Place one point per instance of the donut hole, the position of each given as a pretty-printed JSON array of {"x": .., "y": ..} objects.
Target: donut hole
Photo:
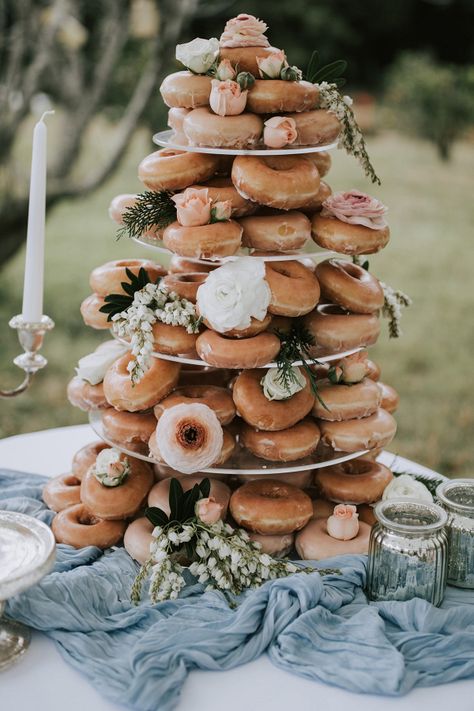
[
  {"x": 331, "y": 310},
  {"x": 191, "y": 435},
  {"x": 170, "y": 152},
  {"x": 353, "y": 271},
  {"x": 72, "y": 480},
  {"x": 356, "y": 467},
  {"x": 87, "y": 519}
]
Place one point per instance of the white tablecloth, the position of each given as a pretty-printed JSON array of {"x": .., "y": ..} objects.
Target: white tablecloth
[{"x": 43, "y": 682}]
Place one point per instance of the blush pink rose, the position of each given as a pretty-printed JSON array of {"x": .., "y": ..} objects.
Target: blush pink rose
[
  {"x": 344, "y": 522},
  {"x": 354, "y": 367},
  {"x": 356, "y": 208},
  {"x": 225, "y": 70},
  {"x": 221, "y": 210},
  {"x": 193, "y": 207},
  {"x": 208, "y": 510},
  {"x": 270, "y": 67},
  {"x": 279, "y": 131},
  {"x": 244, "y": 31},
  {"x": 227, "y": 98}
]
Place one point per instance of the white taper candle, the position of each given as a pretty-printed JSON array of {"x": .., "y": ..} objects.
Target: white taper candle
[{"x": 34, "y": 263}]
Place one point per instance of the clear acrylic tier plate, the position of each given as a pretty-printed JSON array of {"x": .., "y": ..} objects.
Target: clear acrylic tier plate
[
  {"x": 241, "y": 463},
  {"x": 165, "y": 140}
]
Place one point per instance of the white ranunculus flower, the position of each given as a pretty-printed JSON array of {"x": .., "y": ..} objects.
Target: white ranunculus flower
[
  {"x": 93, "y": 367},
  {"x": 198, "y": 55},
  {"x": 406, "y": 487},
  {"x": 233, "y": 294},
  {"x": 274, "y": 387}
]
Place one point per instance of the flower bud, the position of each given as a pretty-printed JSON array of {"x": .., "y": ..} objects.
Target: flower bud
[
  {"x": 245, "y": 80},
  {"x": 291, "y": 74}
]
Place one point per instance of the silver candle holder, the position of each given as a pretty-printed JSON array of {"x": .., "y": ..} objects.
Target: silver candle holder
[{"x": 30, "y": 335}]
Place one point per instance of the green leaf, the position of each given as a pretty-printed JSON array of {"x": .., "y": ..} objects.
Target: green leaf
[
  {"x": 189, "y": 502},
  {"x": 175, "y": 499},
  {"x": 312, "y": 64},
  {"x": 117, "y": 303},
  {"x": 156, "y": 516},
  {"x": 365, "y": 265},
  {"x": 205, "y": 488}
]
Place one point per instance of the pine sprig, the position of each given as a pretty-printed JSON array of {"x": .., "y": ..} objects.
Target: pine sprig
[
  {"x": 296, "y": 345},
  {"x": 151, "y": 210},
  {"x": 117, "y": 303}
]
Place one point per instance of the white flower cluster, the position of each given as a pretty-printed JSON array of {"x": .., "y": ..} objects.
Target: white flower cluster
[
  {"x": 151, "y": 304},
  {"x": 394, "y": 300},
  {"x": 351, "y": 138}
]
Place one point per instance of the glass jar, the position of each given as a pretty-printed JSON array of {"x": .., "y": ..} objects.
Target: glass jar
[
  {"x": 457, "y": 498},
  {"x": 408, "y": 551}
]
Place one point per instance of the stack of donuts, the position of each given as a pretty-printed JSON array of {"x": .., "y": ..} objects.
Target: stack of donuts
[{"x": 239, "y": 254}]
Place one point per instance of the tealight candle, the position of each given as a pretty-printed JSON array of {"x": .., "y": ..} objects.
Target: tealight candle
[{"x": 34, "y": 264}]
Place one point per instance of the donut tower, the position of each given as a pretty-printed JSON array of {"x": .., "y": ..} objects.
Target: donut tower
[{"x": 244, "y": 359}]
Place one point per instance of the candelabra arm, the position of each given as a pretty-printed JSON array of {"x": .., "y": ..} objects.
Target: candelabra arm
[{"x": 30, "y": 335}]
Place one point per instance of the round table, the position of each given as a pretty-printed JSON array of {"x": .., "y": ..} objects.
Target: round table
[{"x": 43, "y": 681}]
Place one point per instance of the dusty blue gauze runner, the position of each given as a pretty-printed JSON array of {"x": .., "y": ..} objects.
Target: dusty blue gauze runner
[{"x": 317, "y": 628}]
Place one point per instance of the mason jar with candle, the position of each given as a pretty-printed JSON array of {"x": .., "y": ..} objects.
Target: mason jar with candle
[
  {"x": 408, "y": 551},
  {"x": 457, "y": 499}
]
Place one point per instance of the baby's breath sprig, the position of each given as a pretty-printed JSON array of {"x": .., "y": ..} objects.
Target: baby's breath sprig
[
  {"x": 351, "y": 138},
  {"x": 219, "y": 556},
  {"x": 151, "y": 210}
]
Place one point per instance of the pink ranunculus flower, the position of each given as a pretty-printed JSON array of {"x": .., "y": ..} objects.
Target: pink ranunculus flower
[
  {"x": 225, "y": 71},
  {"x": 354, "y": 367},
  {"x": 193, "y": 207},
  {"x": 271, "y": 66},
  {"x": 244, "y": 31},
  {"x": 227, "y": 98},
  {"x": 221, "y": 210},
  {"x": 208, "y": 510},
  {"x": 279, "y": 131},
  {"x": 356, "y": 208},
  {"x": 344, "y": 522}
]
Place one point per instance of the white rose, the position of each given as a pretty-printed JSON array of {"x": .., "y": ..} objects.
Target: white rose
[
  {"x": 406, "y": 487},
  {"x": 93, "y": 367},
  {"x": 111, "y": 467},
  {"x": 274, "y": 387},
  {"x": 198, "y": 55},
  {"x": 233, "y": 294}
]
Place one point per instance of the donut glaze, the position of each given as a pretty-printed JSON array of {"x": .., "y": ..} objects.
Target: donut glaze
[
  {"x": 346, "y": 402},
  {"x": 349, "y": 286},
  {"x": 390, "y": 397},
  {"x": 159, "y": 494},
  {"x": 222, "y": 189},
  {"x": 91, "y": 314},
  {"x": 278, "y": 545},
  {"x": 62, "y": 491},
  {"x": 169, "y": 169},
  {"x": 108, "y": 278},
  {"x": 204, "y": 128},
  {"x": 77, "y": 527},
  {"x": 217, "y": 398},
  {"x": 371, "y": 432},
  {"x": 322, "y": 160},
  {"x": 185, "y": 285},
  {"x": 238, "y": 353},
  {"x": 245, "y": 58},
  {"x": 218, "y": 239},
  {"x": 128, "y": 428},
  {"x": 269, "y": 415},
  {"x": 269, "y": 507},
  {"x": 314, "y": 128},
  {"x": 335, "y": 330},
  {"x": 186, "y": 90},
  {"x": 281, "y": 232},
  {"x": 173, "y": 340},
  {"x": 338, "y": 236},
  {"x": 358, "y": 481},
  {"x": 180, "y": 265},
  {"x": 295, "y": 290},
  {"x": 278, "y": 95},
  {"x": 112, "y": 503},
  {"x": 287, "y": 445},
  {"x": 138, "y": 538},
  {"x": 315, "y": 543},
  {"x": 85, "y": 396},
  {"x": 157, "y": 382}
]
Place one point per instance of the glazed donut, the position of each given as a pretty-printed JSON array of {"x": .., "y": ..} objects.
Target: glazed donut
[
  {"x": 255, "y": 327},
  {"x": 269, "y": 507},
  {"x": 78, "y": 528},
  {"x": 186, "y": 90},
  {"x": 349, "y": 286},
  {"x": 119, "y": 204},
  {"x": 85, "y": 458},
  {"x": 62, "y": 491},
  {"x": 157, "y": 382},
  {"x": 185, "y": 285},
  {"x": 217, "y": 239},
  {"x": 269, "y": 415},
  {"x": 335, "y": 330},
  {"x": 202, "y": 127},
  {"x": 108, "y": 278},
  {"x": 346, "y": 402},
  {"x": 322, "y": 508},
  {"x": 169, "y": 169},
  {"x": 204, "y": 375},
  {"x": 91, "y": 314},
  {"x": 316, "y": 127},
  {"x": 128, "y": 428},
  {"x": 179, "y": 265},
  {"x": 222, "y": 352},
  {"x": 112, "y": 503},
  {"x": 373, "y": 370},
  {"x": 390, "y": 397},
  {"x": 322, "y": 160},
  {"x": 315, "y": 543},
  {"x": 245, "y": 58},
  {"x": 339, "y": 236},
  {"x": 218, "y": 399},
  {"x": 222, "y": 189},
  {"x": 315, "y": 203},
  {"x": 85, "y": 396},
  {"x": 281, "y": 232},
  {"x": 295, "y": 289},
  {"x": 371, "y": 432},
  {"x": 366, "y": 514},
  {"x": 173, "y": 340},
  {"x": 138, "y": 538},
  {"x": 278, "y": 546},
  {"x": 286, "y": 445},
  {"x": 355, "y": 482},
  {"x": 175, "y": 122},
  {"x": 285, "y": 182},
  {"x": 159, "y": 494},
  {"x": 272, "y": 97}
]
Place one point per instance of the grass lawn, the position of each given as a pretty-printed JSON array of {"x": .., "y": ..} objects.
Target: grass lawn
[{"x": 430, "y": 257}]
